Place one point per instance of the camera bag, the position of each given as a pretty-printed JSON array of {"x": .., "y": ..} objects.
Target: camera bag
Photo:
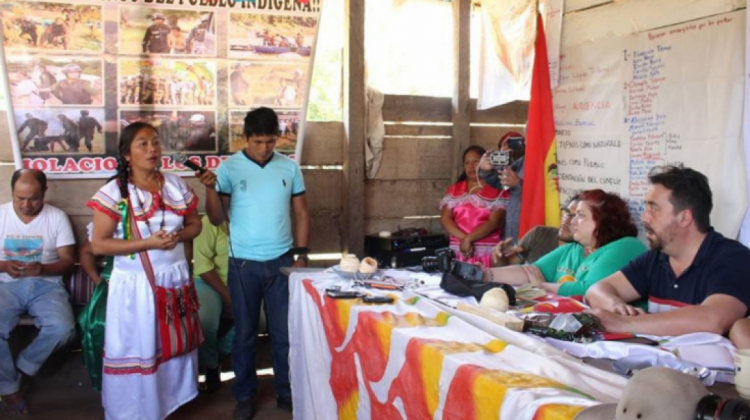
[{"x": 461, "y": 287}]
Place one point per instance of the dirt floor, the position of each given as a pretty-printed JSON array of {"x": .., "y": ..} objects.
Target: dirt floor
[{"x": 61, "y": 391}]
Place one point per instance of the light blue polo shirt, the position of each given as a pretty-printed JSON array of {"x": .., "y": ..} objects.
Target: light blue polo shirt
[{"x": 260, "y": 205}]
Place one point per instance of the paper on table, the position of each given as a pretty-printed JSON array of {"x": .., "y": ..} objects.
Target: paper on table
[{"x": 708, "y": 355}]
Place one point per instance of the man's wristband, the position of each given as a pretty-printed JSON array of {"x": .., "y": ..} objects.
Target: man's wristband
[{"x": 300, "y": 250}]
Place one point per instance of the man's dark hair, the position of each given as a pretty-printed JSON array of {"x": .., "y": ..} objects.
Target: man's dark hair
[
  {"x": 261, "y": 122},
  {"x": 689, "y": 191},
  {"x": 39, "y": 176}
]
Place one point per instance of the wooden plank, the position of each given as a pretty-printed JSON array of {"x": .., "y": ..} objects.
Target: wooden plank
[
  {"x": 628, "y": 17},
  {"x": 420, "y": 158},
  {"x": 373, "y": 226},
  {"x": 71, "y": 196},
  {"x": 461, "y": 103},
  {"x": 355, "y": 102},
  {"x": 513, "y": 113},
  {"x": 324, "y": 190},
  {"x": 402, "y": 198},
  {"x": 324, "y": 143},
  {"x": 416, "y": 108},
  {"x": 488, "y": 137},
  {"x": 575, "y": 5},
  {"x": 326, "y": 231},
  {"x": 418, "y": 130},
  {"x": 6, "y": 171},
  {"x": 6, "y": 151}
]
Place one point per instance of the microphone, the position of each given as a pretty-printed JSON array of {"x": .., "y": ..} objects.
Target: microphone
[{"x": 182, "y": 159}]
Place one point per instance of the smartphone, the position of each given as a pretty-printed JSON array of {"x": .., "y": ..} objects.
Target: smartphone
[
  {"x": 377, "y": 299},
  {"x": 467, "y": 271},
  {"x": 346, "y": 294}
]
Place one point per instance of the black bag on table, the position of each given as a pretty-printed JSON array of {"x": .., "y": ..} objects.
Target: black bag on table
[{"x": 458, "y": 286}]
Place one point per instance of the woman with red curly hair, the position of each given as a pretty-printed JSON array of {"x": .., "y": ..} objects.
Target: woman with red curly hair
[{"x": 605, "y": 241}]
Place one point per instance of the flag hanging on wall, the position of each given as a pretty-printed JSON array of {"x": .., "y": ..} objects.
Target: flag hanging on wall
[{"x": 541, "y": 194}]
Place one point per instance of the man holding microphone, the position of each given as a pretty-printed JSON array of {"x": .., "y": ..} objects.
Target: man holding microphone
[{"x": 259, "y": 187}]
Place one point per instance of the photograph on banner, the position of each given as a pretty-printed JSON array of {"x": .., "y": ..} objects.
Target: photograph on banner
[
  {"x": 193, "y": 131},
  {"x": 289, "y": 125},
  {"x": 275, "y": 85},
  {"x": 167, "y": 82},
  {"x": 47, "y": 26},
  {"x": 60, "y": 131},
  {"x": 272, "y": 37},
  {"x": 55, "y": 80},
  {"x": 145, "y": 30}
]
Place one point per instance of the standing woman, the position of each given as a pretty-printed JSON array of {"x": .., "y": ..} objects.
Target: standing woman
[
  {"x": 473, "y": 213},
  {"x": 152, "y": 329}
]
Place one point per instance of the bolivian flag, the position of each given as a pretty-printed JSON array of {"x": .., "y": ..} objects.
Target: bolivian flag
[{"x": 541, "y": 194}]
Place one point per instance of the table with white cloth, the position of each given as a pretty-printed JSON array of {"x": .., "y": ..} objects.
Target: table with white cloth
[{"x": 419, "y": 359}]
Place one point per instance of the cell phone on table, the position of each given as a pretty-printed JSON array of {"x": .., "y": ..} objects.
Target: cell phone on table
[
  {"x": 343, "y": 294},
  {"x": 377, "y": 299}
]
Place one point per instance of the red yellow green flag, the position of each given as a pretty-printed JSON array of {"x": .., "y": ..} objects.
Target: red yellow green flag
[{"x": 541, "y": 195}]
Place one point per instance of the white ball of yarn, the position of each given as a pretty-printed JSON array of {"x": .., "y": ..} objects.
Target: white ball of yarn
[
  {"x": 349, "y": 263},
  {"x": 495, "y": 299},
  {"x": 368, "y": 265}
]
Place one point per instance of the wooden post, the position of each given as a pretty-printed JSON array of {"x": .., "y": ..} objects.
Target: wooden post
[
  {"x": 354, "y": 127},
  {"x": 461, "y": 61}
]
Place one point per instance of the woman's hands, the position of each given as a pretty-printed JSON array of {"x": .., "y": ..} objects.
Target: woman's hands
[{"x": 162, "y": 240}]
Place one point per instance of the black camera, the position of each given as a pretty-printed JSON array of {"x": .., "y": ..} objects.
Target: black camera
[
  {"x": 445, "y": 261},
  {"x": 713, "y": 407}
]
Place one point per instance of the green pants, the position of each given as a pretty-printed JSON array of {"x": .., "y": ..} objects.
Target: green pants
[{"x": 210, "y": 311}]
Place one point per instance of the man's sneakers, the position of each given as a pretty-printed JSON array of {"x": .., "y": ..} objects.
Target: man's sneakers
[
  {"x": 284, "y": 403},
  {"x": 244, "y": 410}
]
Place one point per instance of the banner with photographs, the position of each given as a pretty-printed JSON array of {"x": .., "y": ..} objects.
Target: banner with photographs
[{"x": 80, "y": 70}]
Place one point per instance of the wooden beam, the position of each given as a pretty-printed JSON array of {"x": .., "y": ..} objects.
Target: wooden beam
[
  {"x": 460, "y": 114},
  {"x": 416, "y": 108},
  {"x": 354, "y": 127},
  {"x": 415, "y": 158}
]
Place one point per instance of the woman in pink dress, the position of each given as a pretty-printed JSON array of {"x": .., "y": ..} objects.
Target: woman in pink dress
[{"x": 473, "y": 213}]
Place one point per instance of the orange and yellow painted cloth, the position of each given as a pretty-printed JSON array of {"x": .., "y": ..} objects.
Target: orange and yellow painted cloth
[{"x": 415, "y": 359}]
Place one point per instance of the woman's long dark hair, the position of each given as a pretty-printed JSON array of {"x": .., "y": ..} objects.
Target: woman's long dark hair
[
  {"x": 127, "y": 135},
  {"x": 477, "y": 149}
]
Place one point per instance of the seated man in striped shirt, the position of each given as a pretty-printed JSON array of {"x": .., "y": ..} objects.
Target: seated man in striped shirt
[{"x": 694, "y": 278}]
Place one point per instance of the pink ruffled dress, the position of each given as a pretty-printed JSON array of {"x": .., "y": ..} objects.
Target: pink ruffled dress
[{"x": 471, "y": 211}]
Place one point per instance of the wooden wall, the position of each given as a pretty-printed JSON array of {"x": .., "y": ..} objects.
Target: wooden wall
[{"x": 416, "y": 168}]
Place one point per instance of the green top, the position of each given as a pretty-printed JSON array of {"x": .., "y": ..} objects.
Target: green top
[
  {"x": 211, "y": 250},
  {"x": 569, "y": 265}
]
